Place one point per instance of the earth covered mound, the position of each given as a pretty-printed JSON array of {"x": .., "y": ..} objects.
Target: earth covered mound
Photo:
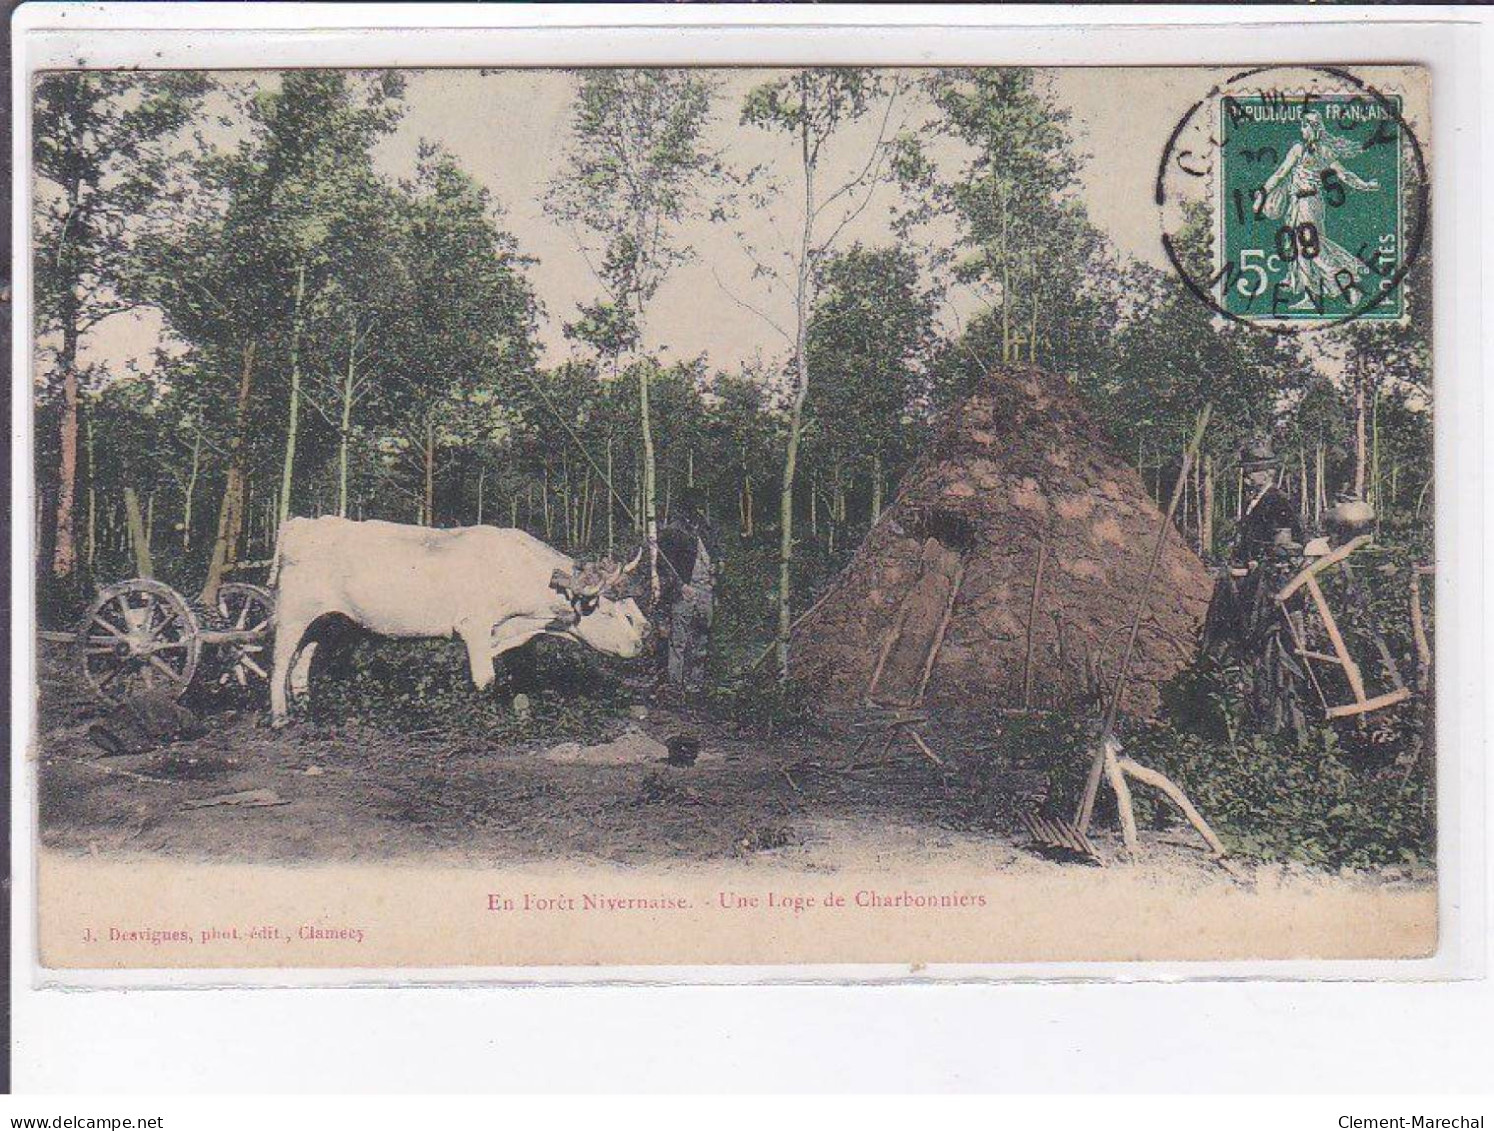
[{"x": 1006, "y": 572}]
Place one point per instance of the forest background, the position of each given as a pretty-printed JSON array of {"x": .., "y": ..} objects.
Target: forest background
[{"x": 749, "y": 293}]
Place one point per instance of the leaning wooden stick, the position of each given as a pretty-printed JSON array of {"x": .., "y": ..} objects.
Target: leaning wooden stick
[
  {"x": 1097, "y": 767},
  {"x": 938, "y": 642},
  {"x": 1117, "y": 778},
  {"x": 1037, "y": 594}
]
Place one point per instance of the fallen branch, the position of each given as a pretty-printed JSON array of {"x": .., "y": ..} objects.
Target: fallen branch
[
  {"x": 1164, "y": 784},
  {"x": 923, "y": 746}
]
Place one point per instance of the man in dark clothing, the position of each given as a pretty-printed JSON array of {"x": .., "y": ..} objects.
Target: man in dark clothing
[
  {"x": 1242, "y": 617},
  {"x": 1270, "y": 524},
  {"x": 1267, "y": 543},
  {"x": 686, "y": 599}
]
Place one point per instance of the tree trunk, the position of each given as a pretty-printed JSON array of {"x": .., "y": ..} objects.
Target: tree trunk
[
  {"x": 64, "y": 551},
  {"x": 1006, "y": 285},
  {"x": 802, "y": 302},
  {"x": 482, "y": 477},
  {"x": 876, "y": 498},
  {"x": 1207, "y": 534},
  {"x": 1198, "y": 517},
  {"x": 1320, "y": 498},
  {"x": 611, "y": 533},
  {"x": 1360, "y": 462},
  {"x": 150, "y": 520},
  {"x": 429, "y": 502},
  {"x": 139, "y": 540},
  {"x": 649, "y": 510},
  {"x": 1304, "y": 504},
  {"x": 1032, "y": 326},
  {"x": 1373, "y": 497},
  {"x": 292, "y": 427},
  {"x": 1182, "y": 484},
  {"x": 345, "y": 425},
  {"x": 93, "y": 494},
  {"x": 231, "y": 513},
  {"x": 545, "y": 502},
  {"x": 191, "y": 491}
]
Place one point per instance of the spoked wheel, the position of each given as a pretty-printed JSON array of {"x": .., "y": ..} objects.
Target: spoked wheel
[
  {"x": 139, "y": 636},
  {"x": 246, "y": 608}
]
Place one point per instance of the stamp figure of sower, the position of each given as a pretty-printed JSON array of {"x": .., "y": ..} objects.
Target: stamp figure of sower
[{"x": 1311, "y": 173}]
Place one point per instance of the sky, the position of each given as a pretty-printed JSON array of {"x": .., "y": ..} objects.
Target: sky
[{"x": 510, "y": 130}]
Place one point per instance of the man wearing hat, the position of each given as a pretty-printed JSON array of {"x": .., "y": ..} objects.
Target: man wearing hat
[
  {"x": 1268, "y": 545},
  {"x": 1270, "y": 527},
  {"x": 686, "y": 599}
]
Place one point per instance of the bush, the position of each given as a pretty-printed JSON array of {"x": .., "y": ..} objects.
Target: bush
[
  {"x": 1267, "y": 797},
  {"x": 1270, "y": 798},
  {"x": 406, "y": 686}
]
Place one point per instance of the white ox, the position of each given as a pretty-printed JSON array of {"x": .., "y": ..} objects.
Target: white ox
[{"x": 493, "y": 588}]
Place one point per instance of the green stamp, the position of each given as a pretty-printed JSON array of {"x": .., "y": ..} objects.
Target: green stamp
[{"x": 1309, "y": 207}]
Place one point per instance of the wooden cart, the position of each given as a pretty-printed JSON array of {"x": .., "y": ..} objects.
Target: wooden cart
[{"x": 142, "y": 636}]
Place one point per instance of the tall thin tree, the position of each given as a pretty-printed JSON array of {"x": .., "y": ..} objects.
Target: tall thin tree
[{"x": 635, "y": 167}]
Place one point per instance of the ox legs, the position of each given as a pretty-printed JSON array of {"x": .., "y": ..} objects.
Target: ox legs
[
  {"x": 289, "y": 632},
  {"x": 300, "y": 673},
  {"x": 480, "y": 655}
]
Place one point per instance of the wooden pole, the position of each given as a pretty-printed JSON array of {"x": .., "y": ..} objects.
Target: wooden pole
[
  {"x": 1032, "y": 611},
  {"x": 928, "y": 665},
  {"x": 1419, "y": 631},
  {"x": 1162, "y": 783},
  {"x": 1122, "y": 797},
  {"x": 1097, "y": 767},
  {"x": 143, "y": 567}
]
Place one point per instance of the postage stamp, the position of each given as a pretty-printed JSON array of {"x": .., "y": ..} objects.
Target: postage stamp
[{"x": 1310, "y": 205}]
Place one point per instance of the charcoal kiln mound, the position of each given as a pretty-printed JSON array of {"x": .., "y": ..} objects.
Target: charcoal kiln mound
[{"x": 1007, "y": 571}]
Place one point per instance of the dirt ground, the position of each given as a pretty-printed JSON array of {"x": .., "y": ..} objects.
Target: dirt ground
[
  {"x": 352, "y": 792},
  {"x": 349, "y": 792},
  {"x": 366, "y": 818}
]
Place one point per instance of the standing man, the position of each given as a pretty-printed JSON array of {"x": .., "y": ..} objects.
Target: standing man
[
  {"x": 686, "y": 599},
  {"x": 1242, "y": 617},
  {"x": 1270, "y": 524}
]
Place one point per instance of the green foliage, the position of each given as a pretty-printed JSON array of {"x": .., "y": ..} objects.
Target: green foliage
[
  {"x": 871, "y": 330},
  {"x": 415, "y": 338},
  {"x": 633, "y": 174},
  {"x": 426, "y": 685},
  {"x": 106, "y": 170},
  {"x": 1273, "y": 799}
]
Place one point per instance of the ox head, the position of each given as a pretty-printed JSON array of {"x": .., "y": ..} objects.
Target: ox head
[{"x": 603, "y": 615}]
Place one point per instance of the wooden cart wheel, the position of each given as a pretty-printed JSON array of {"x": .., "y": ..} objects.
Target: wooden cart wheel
[
  {"x": 246, "y": 608},
  {"x": 139, "y": 636}
]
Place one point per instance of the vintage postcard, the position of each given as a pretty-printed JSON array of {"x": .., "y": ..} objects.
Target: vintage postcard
[{"x": 604, "y": 517}]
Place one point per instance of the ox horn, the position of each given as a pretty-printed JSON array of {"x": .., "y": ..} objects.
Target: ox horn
[{"x": 617, "y": 573}]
